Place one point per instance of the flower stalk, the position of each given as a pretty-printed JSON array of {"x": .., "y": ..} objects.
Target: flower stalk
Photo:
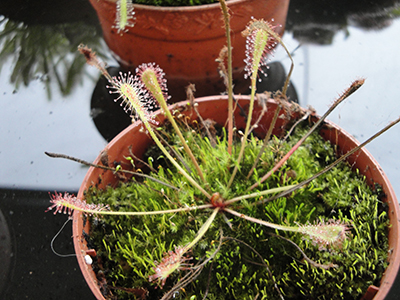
[
  {"x": 355, "y": 86},
  {"x": 226, "y": 18}
]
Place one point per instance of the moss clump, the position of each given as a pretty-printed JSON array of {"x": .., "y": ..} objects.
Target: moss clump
[{"x": 249, "y": 259}]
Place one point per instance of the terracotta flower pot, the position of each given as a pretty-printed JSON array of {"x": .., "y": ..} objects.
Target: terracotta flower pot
[
  {"x": 185, "y": 41},
  {"x": 216, "y": 108}
]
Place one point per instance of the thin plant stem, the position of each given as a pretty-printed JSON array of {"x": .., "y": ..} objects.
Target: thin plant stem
[
  {"x": 178, "y": 156},
  {"x": 262, "y": 102},
  {"x": 287, "y": 81},
  {"x": 188, "y": 278},
  {"x": 203, "y": 229},
  {"x": 244, "y": 139},
  {"x": 172, "y": 160},
  {"x": 202, "y": 264},
  {"x": 141, "y": 213},
  {"x": 190, "y": 89},
  {"x": 83, "y": 162},
  {"x": 261, "y": 222},
  {"x": 266, "y": 139},
  {"x": 262, "y": 263},
  {"x": 155, "y": 89},
  {"x": 261, "y": 42},
  {"x": 226, "y": 19},
  {"x": 140, "y": 160},
  {"x": 355, "y": 86},
  {"x": 303, "y": 118},
  {"x": 194, "y": 272},
  {"x": 309, "y": 260},
  {"x": 261, "y": 193},
  {"x": 184, "y": 144},
  {"x": 326, "y": 169}
]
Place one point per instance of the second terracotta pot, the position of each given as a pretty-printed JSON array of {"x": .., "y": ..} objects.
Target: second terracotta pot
[{"x": 185, "y": 41}]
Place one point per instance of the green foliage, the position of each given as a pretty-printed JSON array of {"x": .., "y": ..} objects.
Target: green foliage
[
  {"x": 45, "y": 53},
  {"x": 129, "y": 246}
]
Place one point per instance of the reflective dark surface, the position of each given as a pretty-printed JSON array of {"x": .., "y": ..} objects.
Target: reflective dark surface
[
  {"x": 46, "y": 94},
  {"x": 29, "y": 269}
]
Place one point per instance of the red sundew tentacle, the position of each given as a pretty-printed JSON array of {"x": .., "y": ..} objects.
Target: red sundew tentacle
[
  {"x": 250, "y": 33},
  {"x": 125, "y": 16},
  {"x": 130, "y": 91},
  {"x": 159, "y": 73},
  {"x": 172, "y": 261},
  {"x": 68, "y": 203},
  {"x": 326, "y": 233}
]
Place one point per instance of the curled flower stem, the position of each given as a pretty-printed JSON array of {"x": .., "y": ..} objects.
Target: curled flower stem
[
  {"x": 54, "y": 238},
  {"x": 309, "y": 260},
  {"x": 279, "y": 40}
]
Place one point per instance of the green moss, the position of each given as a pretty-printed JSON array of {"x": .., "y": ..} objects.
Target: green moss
[{"x": 128, "y": 246}]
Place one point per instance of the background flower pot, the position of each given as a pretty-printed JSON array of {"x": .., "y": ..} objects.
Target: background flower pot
[
  {"x": 185, "y": 41},
  {"x": 216, "y": 108}
]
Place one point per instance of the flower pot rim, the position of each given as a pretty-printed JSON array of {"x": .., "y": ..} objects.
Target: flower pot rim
[
  {"x": 188, "y": 8},
  {"x": 391, "y": 271}
]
